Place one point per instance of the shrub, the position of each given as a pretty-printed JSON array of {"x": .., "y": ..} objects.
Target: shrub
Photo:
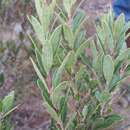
[{"x": 78, "y": 87}]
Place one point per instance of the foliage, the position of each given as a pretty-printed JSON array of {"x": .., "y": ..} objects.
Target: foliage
[
  {"x": 6, "y": 107},
  {"x": 81, "y": 86}
]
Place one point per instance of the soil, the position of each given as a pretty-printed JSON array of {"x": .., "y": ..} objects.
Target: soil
[{"x": 20, "y": 75}]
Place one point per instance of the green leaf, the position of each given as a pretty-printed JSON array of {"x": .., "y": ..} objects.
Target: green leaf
[
  {"x": 39, "y": 8},
  {"x": 127, "y": 70},
  {"x": 82, "y": 47},
  {"x": 80, "y": 39},
  {"x": 44, "y": 92},
  {"x": 71, "y": 62},
  {"x": 58, "y": 93},
  {"x": 122, "y": 35},
  {"x": 94, "y": 49},
  {"x": 39, "y": 60},
  {"x": 8, "y": 102},
  {"x": 100, "y": 39},
  {"x": 98, "y": 95},
  {"x": 122, "y": 56},
  {"x": 68, "y": 5},
  {"x": 85, "y": 59},
  {"x": 98, "y": 123},
  {"x": 78, "y": 19},
  {"x": 55, "y": 39},
  {"x": 47, "y": 56},
  {"x": 108, "y": 68},
  {"x": 106, "y": 122},
  {"x": 45, "y": 13},
  {"x": 70, "y": 121},
  {"x": 57, "y": 77},
  {"x": 94, "y": 53},
  {"x": 109, "y": 44},
  {"x": 99, "y": 64},
  {"x": 63, "y": 109},
  {"x": 48, "y": 12},
  {"x": 109, "y": 120},
  {"x": 38, "y": 29},
  {"x": 117, "y": 67},
  {"x": 62, "y": 16},
  {"x": 85, "y": 111},
  {"x": 68, "y": 35},
  {"x": 39, "y": 74},
  {"x": 1, "y": 79},
  {"x": 102, "y": 97},
  {"x": 114, "y": 82},
  {"x": 119, "y": 24},
  {"x": 52, "y": 112}
]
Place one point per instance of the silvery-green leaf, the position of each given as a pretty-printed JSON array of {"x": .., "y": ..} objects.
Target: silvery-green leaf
[
  {"x": 55, "y": 38},
  {"x": 82, "y": 47},
  {"x": 68, "y": 35},
  {"x": 110, "y": 119},
  {"x": 63, "y": 109},
  {"x": 68, "y": 5},
  {"x": 94, "y": 52},
  {"x": 98, "y": 96},
  {"x": 38, "y": 29},
  {"x": 102, "y": 97},
  {"x": 78, "y": 19},
  {"x": 52, "y": 112},
  {"x": 47, "y": 18},
  {"x": 58, "y": 93},
  {"x": 7, "y": 102},
  {"x": 39, "y": 60},
  {"x": 71, "y": 62},
  {"x": 85, "y": 111},
  {"x": 70, "y": 121},
  {"x": 109, "y": 36},
  {"x": 115, "y": 82},
  {"x": 57, "y": 77},
  {"x": 119, "y": 24},
  {"x": 45, "y": 13},
  {"x": 99, "y": 64},
  {"x": 85, "y": 59},
  {"x": 102, "y": 123},
  {"x": 44, "y": 92},
  {"x": 39, "y": 74},
  {"x": 98, "y": 122},
  {"x": 122, "y": 56},
  {"x": 47, "y": 56},
  {"x": 39, "y": 8},
  {"x": 108, "y": 68},
  {"x": 80, "y": 39}
]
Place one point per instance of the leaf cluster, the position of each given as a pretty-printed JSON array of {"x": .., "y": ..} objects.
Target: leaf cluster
[{"x": 78, "y": 87}]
